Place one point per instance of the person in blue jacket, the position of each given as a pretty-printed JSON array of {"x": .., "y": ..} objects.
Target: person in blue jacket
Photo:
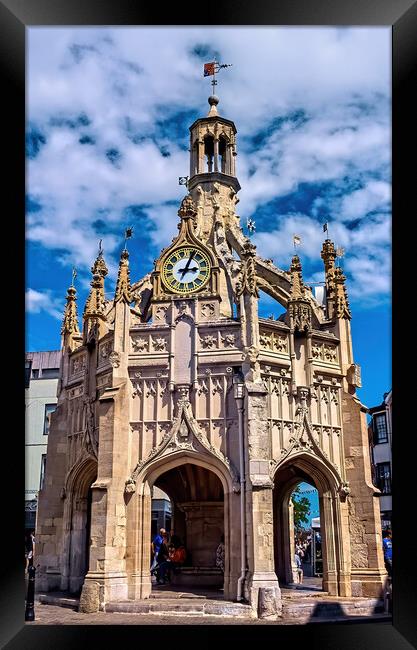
[{"x": 387, "y": 546}]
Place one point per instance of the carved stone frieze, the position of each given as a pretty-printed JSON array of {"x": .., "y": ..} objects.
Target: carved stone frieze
[
  {"x": 207, "y": 310},
  {"x": 229, "y": 340},
  {"x": 159, "y": 343},
  {"x": 78, "y": 364},
  {"x": 140, "y": 344},
  {"x": 104, "y": 380},
  {"x": 104, "y": 350},
  {"x": 75, "y": 392},
  {"x": 160, "y": 313},
  {"x": 114, "y": 358},
  {"x": 324, "y": 351},
  {"x": 274, "y": 342},
  {"x": 208, "y": 341}
]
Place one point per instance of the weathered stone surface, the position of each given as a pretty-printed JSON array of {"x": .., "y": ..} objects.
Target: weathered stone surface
[
  {"x": 90, "y": 597},
  {"x": 269, "y": 605}
]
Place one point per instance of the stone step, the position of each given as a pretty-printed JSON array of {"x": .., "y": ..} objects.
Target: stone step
[
  {"x": 182, "y": 607},
  {"x": 331, "y": 607},
  {"x": 176, "y": 594},
  {"x": 60, "y": 601}
]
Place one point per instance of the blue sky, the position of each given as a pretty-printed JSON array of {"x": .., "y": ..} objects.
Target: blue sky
[{"x": 108, "y": 111}]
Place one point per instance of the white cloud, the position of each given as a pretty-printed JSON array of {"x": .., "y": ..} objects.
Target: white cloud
[
  {"x": 339, "y": 78},
  {"x": 37, "y": 301}
]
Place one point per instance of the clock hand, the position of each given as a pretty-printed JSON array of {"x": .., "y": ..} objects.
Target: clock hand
[
  {"x": 195, "y": 268},
  {"x": 184, "y": 271}
]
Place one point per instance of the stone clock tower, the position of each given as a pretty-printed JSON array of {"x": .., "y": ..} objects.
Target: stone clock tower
[{"x": 178, "y": 383}]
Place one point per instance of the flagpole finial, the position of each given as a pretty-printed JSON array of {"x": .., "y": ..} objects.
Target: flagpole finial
[
  {"x": 213, "y": 100},
  {"x": 128, "y": 235}
]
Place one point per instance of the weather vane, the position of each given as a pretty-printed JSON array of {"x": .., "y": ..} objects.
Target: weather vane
[
  {"x": 339, "y": 253},
  {"x": 251, "y": 226},
  {"x": 100, "y": 248},
  {"x": 210, "y": 70},
  {"x": 296, "y": 240},
  {"x": 128, "y": 234},
  {"x": 326, "y": 229},
  {"x": 74, "y": 275}
]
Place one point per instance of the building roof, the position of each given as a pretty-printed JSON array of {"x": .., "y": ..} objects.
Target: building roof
[{"x": 44, "y": 360}]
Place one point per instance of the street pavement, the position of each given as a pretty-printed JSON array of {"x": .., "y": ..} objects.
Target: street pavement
[{"x": 54, "y": 615}]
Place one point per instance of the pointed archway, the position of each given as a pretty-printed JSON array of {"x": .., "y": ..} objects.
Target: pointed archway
[
  {"x": 77, "y": 524},
  {"x": 304, "y": 467}
]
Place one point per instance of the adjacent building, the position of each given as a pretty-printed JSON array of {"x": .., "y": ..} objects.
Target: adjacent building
[
  {"x": 380, "y": 440},
  {"x": 41, "y": 383}
]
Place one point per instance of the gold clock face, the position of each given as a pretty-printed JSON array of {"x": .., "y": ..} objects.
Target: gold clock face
[{"x": 186, "y": 269}]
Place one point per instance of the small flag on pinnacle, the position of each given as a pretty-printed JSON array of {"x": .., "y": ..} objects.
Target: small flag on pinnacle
[
  {"x": 209, "y": 68},
  {"x": 325, "y": 227},
  {"x": 128, "y": 232},
  {"x": 296, "y": 240}
]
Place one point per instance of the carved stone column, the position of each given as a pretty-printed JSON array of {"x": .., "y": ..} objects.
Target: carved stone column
[
  {"x": 261, "y": 587},
  {"x": 138, "y": 543}
]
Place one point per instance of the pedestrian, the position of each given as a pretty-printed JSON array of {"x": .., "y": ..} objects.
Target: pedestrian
[
  {"x": 299, "y": 568},
  {"x": 387, "y": 546},
  {"x": 155, "y": 546},
  {"x": 220, "y": 554},
  {"x": 176, "y": 558},
  {"x": 162, "y": 557},
  {"x": 30, "y": 548}
]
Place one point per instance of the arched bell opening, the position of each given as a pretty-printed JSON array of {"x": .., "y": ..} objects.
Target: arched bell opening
[
  {"x": 287, "y": 478},
  {"x": 224, "y": 165},
  {"x": 209, "y": 152}
]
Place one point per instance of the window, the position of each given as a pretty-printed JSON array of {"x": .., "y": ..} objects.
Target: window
[
  {"x": 380, "y": 428},
  {"x": 43, "y": 465},
  {"x": 383, "y": 477},
  {"x": 49, "y": 408},
  {"x": 50, "y": 373},
  {"x": 28, "y": 367}
]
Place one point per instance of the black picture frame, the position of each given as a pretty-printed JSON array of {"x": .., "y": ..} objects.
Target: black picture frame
[{"x": 15, "y": 17}]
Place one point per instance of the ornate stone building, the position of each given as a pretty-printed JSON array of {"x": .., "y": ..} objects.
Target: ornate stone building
[{"x": 178, "y": 383}]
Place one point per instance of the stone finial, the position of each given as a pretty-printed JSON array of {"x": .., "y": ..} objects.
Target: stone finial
[
  {"x": 70, "y": 320},
  {"x": 213, "y": 100},
  {"x": 187, "y": 208},
  {"x": 99, "y": 267},
  {"x": 297, "y": 284},
  {"x": 328, "y": 255},
  {"x": 342, "y": 302},
  {"x": 96, "y": 300},
  {"x": 299, "y": 307},
  {"x": 123, "y": 289}
]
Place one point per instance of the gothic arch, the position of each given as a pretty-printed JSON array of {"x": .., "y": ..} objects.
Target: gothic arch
[
  {"x": 325, "y": 479},
  {"x": 75, "y": 522},
  {"x": 140, "y": 509},
  {"x": 80, "y": 476},
  {"x": 159, "y": 466},
  {"x": 305, "y": 467}
]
